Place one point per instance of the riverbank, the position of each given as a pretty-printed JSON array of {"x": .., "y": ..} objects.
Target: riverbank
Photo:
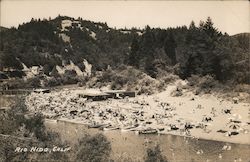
[
  {"x": 206, "y": 117},
  {"x": 175, "y": 133},
  {"x": 175, "y": 148}
]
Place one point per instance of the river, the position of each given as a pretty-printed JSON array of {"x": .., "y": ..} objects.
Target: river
[{"x": 175, "y": 148}]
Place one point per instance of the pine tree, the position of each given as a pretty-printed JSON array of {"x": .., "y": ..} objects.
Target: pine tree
[
  {"x": 134, "y": 55},
  {"x": 224, "y": 64},
  {"x": 170, "y": 47},
  {"x": 200, "y": 50},
  {"x": 147, "y": 48},
  {"x": 192, "y": 25}
]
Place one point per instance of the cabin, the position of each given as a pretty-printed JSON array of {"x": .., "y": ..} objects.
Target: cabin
[
  {"x": 104, "y": 95},
  {"x": 97, "y": 97},
  {"x": 117, "y": 94},
  {"x": 42, "y": 91}
]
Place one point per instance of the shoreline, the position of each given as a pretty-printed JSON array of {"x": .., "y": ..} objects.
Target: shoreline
[
  {"x": 205, "y": 117},
  {"x": 69, "y": 121}
]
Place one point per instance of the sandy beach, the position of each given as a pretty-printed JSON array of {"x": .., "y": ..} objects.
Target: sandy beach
[{"x": 204, "y": 117}]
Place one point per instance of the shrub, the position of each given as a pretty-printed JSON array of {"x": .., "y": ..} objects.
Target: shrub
[
  {"x": 204, "y": 84},
  {"x": 147, "y": 85},
  {"x": 93, "y": 149},
  {"x": 33, "y": 82},
  {"x": 35, "y": 124},
  {"x": 193, "y": 80},
  {"x": 16, "y": 84},
  {"x": 170, "y": 78},
  {"x": 128, "y": 78},
  {"x": 155, "y": 155},
  {"x": 69, "y": 80},
  {"x": 13, "y": 119},
  {"x": 52, "y": 81},
  {"x": 15, "y": 123},
  {"x": 70, "y": 73},
  {"x": 208, "y": 82}
]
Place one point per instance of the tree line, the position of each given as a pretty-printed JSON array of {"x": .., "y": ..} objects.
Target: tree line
[{"x": 194, "y": 50}]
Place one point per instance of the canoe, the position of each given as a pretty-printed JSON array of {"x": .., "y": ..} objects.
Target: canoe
[
  {"x": 97, "y": 125},
  {"x": 132, "y": 128},
  {"x": 110, "y": 128},
  {"x": 148, "y": 131}
]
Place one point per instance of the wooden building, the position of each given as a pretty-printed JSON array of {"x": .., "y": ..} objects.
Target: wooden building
[{"x": 120, "y": 93}]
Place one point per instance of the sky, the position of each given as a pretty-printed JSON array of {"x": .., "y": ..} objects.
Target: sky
[{"x": 228, "y": 16}]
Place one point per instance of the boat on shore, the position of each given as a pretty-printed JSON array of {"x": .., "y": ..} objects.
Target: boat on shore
[
  {"x": 109, "y": 128},
  {"x": 97, "y": 125},
  {"x": 148, "y": 131},
  {"x": 130, "y": 128}
]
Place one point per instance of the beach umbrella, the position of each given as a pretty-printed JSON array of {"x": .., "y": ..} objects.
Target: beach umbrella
[{"x": 234, "y": 126}]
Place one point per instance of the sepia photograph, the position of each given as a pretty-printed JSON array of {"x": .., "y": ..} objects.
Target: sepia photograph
[{"x": 124, "y": 81}]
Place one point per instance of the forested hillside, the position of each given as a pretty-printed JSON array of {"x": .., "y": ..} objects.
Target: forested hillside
[{"x": 194, "y": 50}]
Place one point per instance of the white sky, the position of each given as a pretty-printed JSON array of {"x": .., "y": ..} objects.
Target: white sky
[{"x": 229, "y": 16}]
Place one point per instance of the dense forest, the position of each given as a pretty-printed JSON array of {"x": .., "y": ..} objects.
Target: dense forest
[{"x": 187, "y": 50}]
